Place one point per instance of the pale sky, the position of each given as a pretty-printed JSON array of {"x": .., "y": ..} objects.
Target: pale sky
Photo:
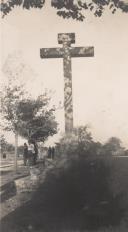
[{"x": 100, "y": 95}]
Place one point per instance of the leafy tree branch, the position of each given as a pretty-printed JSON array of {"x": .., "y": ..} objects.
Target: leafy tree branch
[{"x": 74, "y": 9}]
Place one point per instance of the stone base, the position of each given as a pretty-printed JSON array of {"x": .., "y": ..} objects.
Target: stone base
[{"x": 29, "y": 183}]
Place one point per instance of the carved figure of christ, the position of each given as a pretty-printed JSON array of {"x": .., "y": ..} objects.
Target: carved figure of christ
[{"x": 67, "y": 52}]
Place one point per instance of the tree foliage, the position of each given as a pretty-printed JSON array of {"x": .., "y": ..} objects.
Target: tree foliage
[
  {"x": 37, "y": 121},
  {"x": 29, "y": 117},
  {"x": 10, "y": 99},
  {"x": 79, "y": 143},
  {"x": 74, "y": 9},
  {"x": 8, "y": 6},
  {"x": 113, "y": 146},
  {"x": 4, "y": 145}
]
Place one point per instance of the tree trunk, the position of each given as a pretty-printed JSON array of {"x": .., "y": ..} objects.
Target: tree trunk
[{"x": 16, "y": 149}]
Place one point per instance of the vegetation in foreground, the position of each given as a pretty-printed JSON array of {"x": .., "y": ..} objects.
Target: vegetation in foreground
[{"x": 83, "y": 192}]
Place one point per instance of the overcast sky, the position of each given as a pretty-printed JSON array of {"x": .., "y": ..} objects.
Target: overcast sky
[{"x": 100, "y": 95}]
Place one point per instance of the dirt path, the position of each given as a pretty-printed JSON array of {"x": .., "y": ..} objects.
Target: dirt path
[{"x": 11, "y": 199}]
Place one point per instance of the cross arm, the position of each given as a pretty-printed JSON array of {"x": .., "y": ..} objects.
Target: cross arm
[
  {"x": 82, "y": 51},
  {"x": 51, "y": 52}
]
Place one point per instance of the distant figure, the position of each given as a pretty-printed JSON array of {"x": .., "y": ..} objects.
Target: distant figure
[
  {"x": 25, "y": 155},
  {"x": 31, "y": 152},
  {"x": 53, "y": 152},
  {"x": 4, "y": 155},
  {"x": 35, "y": 152},
  {"x": 49, "y": 152},
  {"x": 44, "y": 156}
]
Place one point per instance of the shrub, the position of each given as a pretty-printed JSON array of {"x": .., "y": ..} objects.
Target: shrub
[
  {"x": 79, "y": 196},
  {"x": 78, "y": 191},
  {"x": 79, "y": 143}
]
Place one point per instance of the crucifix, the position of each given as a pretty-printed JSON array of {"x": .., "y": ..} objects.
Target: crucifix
[{"x": 67, "y": 52}]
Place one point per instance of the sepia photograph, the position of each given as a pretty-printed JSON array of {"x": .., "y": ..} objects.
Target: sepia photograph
[{"x": 64, "y": 116}]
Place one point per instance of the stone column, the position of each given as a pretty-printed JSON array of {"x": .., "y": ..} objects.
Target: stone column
[{"x": 68, "y": 101}]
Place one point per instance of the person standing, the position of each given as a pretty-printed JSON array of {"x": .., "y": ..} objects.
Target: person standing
[
  {"x": 53, "y": 152},
  {"x": 44, "y": 155},
  {"x": 25, "y": 155},
  {"x": 35, "y": 152},
  {"x": 31, "y": 152},
  {"x": 49, "y": 152}
]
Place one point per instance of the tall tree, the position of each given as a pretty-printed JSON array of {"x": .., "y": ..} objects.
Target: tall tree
[
  {"x": 29, "y": 118},
  {"x": 10, "y": 98},
  {"x": 69, "y": 8}
]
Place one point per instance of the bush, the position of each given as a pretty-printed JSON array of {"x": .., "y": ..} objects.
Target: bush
[
  {"x": 78, "y": 195},
  {"x": 79, "y": 190},
  {"x": 79, "y": 143},
  {"x": 83, "y": 191}
]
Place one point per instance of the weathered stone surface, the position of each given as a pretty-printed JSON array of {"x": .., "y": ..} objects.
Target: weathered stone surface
[
  {"x": 27, "y": 184},
  {"x": 51, "y": 52},
  {"x": 67, "y": 52},
  {"x": 66, "y": 37},
  {"x": 82, "y": 51},
  {"x": 73, "y": 52}
]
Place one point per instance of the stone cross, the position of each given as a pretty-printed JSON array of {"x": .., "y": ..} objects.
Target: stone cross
[{"x": 67, "y": 52}]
